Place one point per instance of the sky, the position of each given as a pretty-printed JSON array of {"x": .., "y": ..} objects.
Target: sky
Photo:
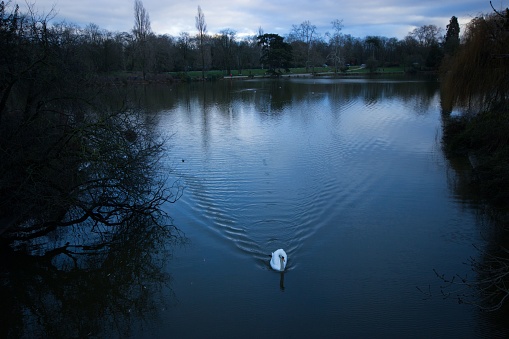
[{"x": 388, "y": 18}]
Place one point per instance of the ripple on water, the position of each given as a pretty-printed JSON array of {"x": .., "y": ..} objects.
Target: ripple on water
[{"x": 262, "y": 183}]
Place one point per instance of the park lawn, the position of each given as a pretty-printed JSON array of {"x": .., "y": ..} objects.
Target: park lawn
[{"x": 216, "y": 74}]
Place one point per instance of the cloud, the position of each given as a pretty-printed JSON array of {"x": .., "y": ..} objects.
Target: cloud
[{"x": 391, "y": 18}]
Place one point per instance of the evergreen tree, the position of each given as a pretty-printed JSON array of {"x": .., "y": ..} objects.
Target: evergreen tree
[
  {"x": 452, "y": 37},
  {"x": 275, "y": 52}
]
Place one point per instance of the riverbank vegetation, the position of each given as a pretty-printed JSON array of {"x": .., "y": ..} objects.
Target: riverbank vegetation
[
  {"x": 475, "y": 92},
  {"x": 475, "y": 84}
]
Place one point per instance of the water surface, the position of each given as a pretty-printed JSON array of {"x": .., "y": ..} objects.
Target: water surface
[{"x": 348, "y": 176}]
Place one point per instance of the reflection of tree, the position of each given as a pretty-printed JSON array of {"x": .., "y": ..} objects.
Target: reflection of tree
[
  {"x": 76, "y": 292},
  {"x": 487, "y": 287}
]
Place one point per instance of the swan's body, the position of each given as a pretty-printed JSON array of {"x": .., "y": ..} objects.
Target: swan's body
[{"x": 279, "y": 260}]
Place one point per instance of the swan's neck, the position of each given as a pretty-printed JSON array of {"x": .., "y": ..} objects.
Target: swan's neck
[{"x": 281, "y": 264}]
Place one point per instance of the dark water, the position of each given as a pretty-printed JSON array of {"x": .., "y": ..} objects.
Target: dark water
[{"x": 346, "y": 175}]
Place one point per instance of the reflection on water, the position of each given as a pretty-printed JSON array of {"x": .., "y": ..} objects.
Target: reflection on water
[
  {"x": 487, "y": 289},
  {"x": 115, "y": 289},
  {"x": 282, "y": 158},
  {"x": 347, "y": 175}
]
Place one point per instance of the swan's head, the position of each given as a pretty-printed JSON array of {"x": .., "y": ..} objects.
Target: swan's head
[{"x": 282, "y": 265}]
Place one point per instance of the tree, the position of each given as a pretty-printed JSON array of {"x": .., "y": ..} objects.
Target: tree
[
  {"x": 427, "y": 35},
  {"x": 412, "y": 55},
  {"x": 141, "y": 28},
  {"x": 452, "y": 37},
  {"x": 102, "y": 49},
  {"x": 245, "y": 53},
  {"x": 184, "y": 48},
  {"x": 435, "y": 56},
  {"x": 141, "y": 32},
  {"x": 227, "y": 39},
  {"x": 276, "y": 53},
  {"x": 424, "y": 44},
  {"x": 201, "y": 26},
  {"x": 68, "y": 163},
  {"x": 476, "y": 76},
  {"x": 393, "y": 52},
  {"x": 372, "y": 64},
  {"x": 335, "y": 42},
  {"x": 303, "y": 36},
  {"x": 374, "y": 43},
  {"x": 162, "y": 46},
  {"x": 352, "y": 49}
]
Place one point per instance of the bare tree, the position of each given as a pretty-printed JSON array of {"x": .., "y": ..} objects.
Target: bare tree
[
  {"x": 427, "y": 35},
  {"x": 227, "y": 45},
  {"x": 184, "y": 49},
  {"x": 201, "y": 26},
  {"x": 141, "y": 32},
  {"x": 335, "y": 44},
  {"x": 141, "y": 28},
  {"x": 306, "y": 34}
]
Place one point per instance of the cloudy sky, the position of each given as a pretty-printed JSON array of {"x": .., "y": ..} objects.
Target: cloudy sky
[{"x": 389, "y": 18}]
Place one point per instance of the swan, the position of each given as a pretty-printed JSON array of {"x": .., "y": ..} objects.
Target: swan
[{"x": 279, "y": 260}]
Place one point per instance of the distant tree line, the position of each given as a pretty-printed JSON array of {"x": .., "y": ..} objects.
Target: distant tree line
[
  {"x": 142, "y": 50},
  {"x": 423, "y": 48}
]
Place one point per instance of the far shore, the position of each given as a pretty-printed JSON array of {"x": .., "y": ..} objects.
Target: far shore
[{"x": 305, "y": 75}]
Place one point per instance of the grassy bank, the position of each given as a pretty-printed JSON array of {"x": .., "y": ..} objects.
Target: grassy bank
[{"x": 257, "y": 72}]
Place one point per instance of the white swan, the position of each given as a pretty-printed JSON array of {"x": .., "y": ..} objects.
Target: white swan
[{"x": 279, "y": 260}]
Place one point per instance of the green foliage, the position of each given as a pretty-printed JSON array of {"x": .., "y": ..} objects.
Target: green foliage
[{"x": 276, "y": 53}]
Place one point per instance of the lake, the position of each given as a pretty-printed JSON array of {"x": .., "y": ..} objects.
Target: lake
[{"x": 346, "y": 175}]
